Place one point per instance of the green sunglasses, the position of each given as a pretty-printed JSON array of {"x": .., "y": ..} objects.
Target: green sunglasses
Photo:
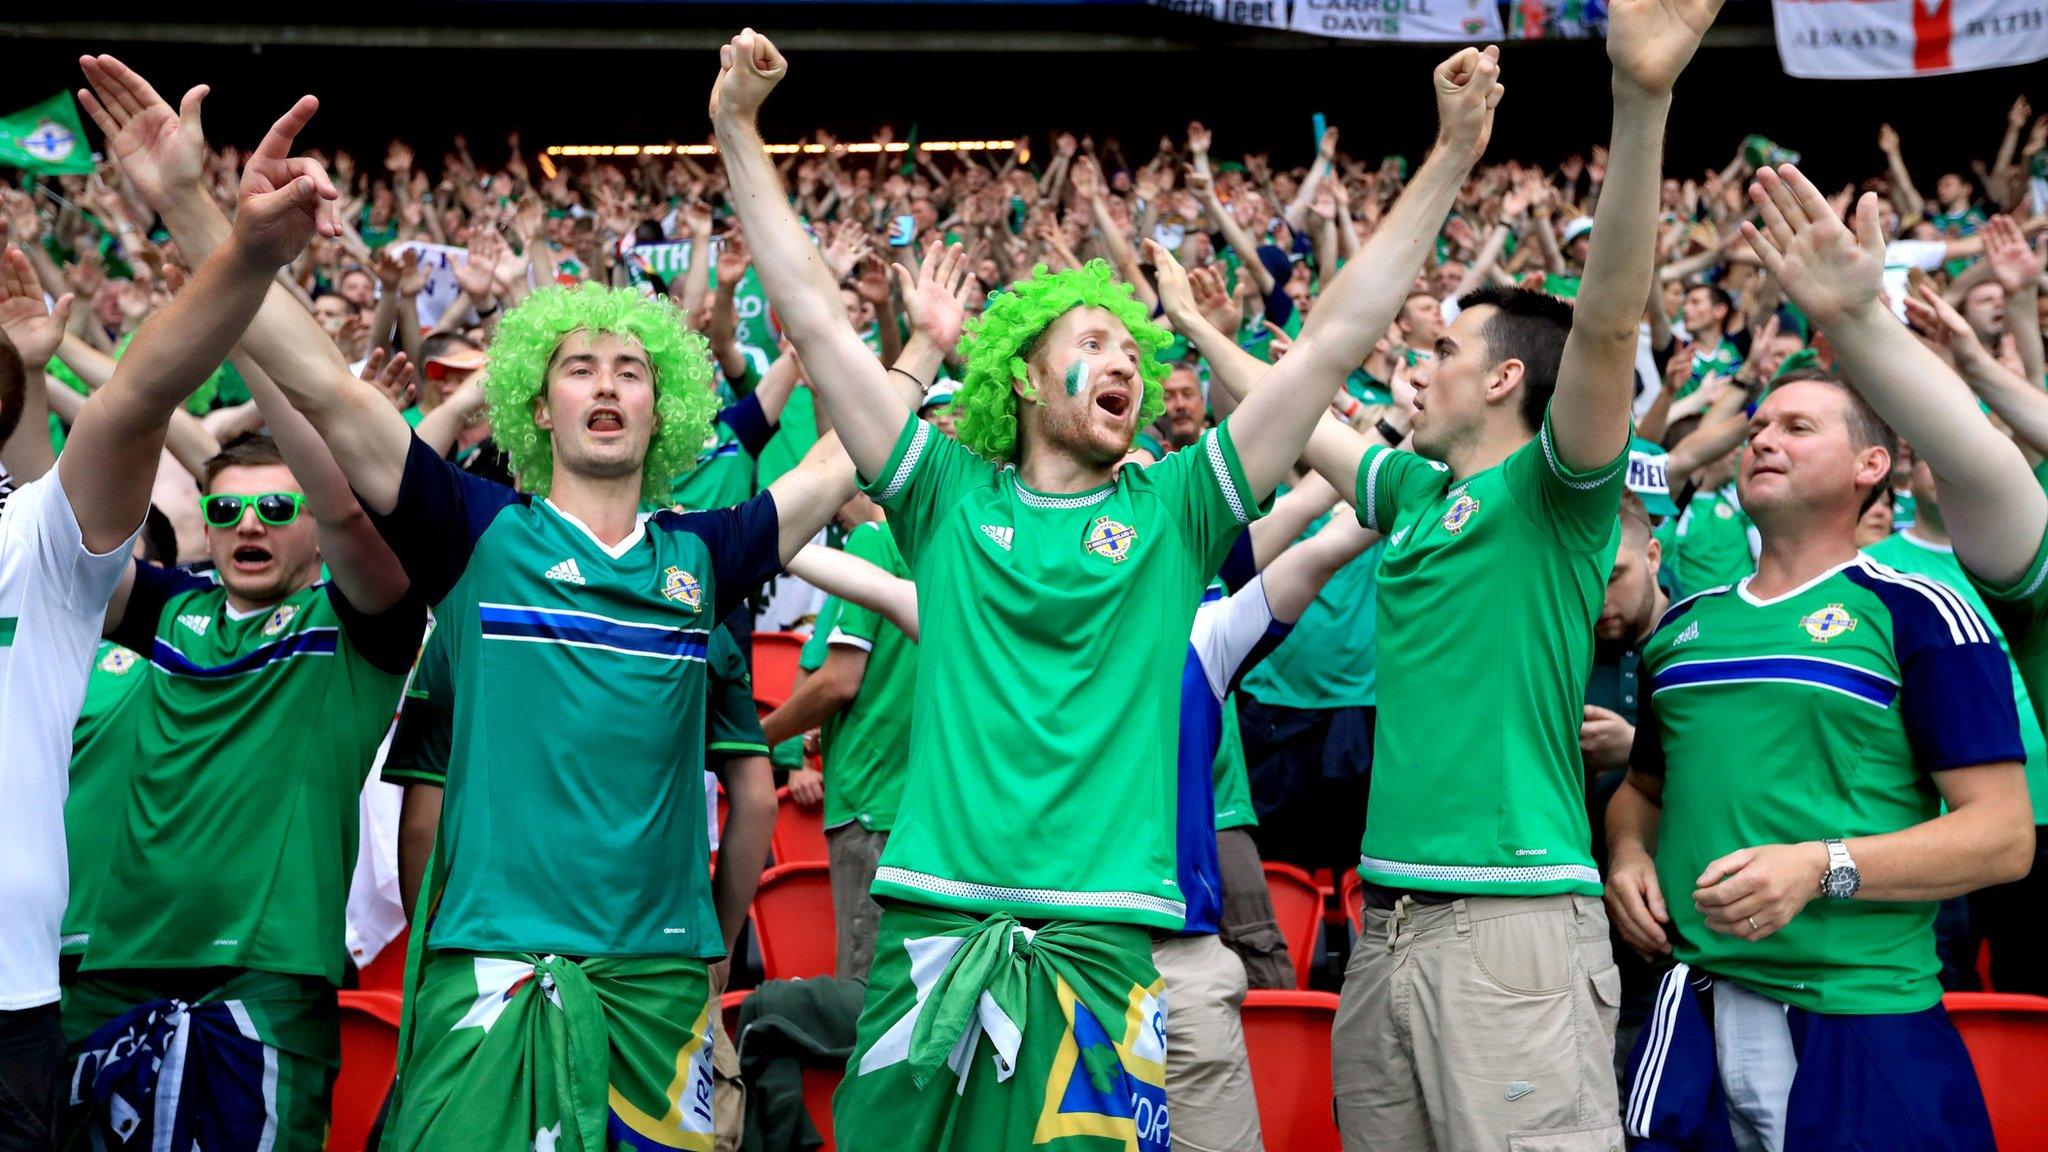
[{"x": 224, "y": 509}]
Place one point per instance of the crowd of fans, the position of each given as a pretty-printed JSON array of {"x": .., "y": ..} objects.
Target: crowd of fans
[{"x": 417, "y": 285}]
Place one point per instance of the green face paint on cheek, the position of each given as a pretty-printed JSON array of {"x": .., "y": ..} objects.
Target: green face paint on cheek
[{"x": 1077, "y": 377}]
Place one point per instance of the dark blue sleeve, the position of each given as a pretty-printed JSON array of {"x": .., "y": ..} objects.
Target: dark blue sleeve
[
  {"x": 442, "y": 511},
  {"x": 1241, "y": 565},
  {"x": 749, "y": 424},
  {"x": 1955, "y": 682},
  {"x": 154, "y": 587},
  {"x": 1647, "y": 754},
  {"x": 742, "y": 541},
  {"x": 1276, "y": 634},
  {"x": 390, "y": 640}
]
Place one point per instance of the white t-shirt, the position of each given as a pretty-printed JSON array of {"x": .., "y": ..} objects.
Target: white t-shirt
[
  {"x": 53, "y": 595},
  {"x": 1901, "y": 257}
]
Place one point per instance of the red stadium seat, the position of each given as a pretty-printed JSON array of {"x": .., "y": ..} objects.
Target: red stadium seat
[
  {"x": 799, "y": 836},
  {"x": 2006, "y": 1034},
  {"x": 729, "y": 1008},
  {"x": 1352, "y": 895},
  {"x": 793, "y": 922},
  {"x": 387, "y": 972},
  {"x": 775, "y": 655},
  {"x": 819, "y": 1085},
  {"x": 1298, "y": 906},
  {"x": 1287, "y": 1039},
  {"x": 369, "y": 1056}
]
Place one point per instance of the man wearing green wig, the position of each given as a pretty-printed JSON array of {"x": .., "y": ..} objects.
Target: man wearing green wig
[
  {"x": 1013, "y": 1001},
  {"x": 560, "y": 990}
]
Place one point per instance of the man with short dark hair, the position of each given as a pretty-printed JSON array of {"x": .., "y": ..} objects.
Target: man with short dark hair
[
  {"x": 1706, "y": 313},
  {"x": 1834, "y": 748},
  {"x": 1480, "y": 887},
  {"x": 65, "y": 545}
]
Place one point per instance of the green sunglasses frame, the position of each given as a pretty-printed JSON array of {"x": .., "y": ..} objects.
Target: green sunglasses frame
[{"x": 243, "y": 503}]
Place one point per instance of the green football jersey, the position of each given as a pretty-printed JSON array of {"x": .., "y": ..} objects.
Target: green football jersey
[
  {"x": 103, "y": 756},
  {"x": 724, "y": 474},
  {"x": 1047, "y": 712},
  {"x": 1488, "y": 590},
  {"x": 1723, "y": 359},
  {"x": 1937, "y": 562},
  {"x": 1711, "y": 544},
  {"x": 574, "y": 812},
  {"x": 867, "y": 743},
  {"x": 236, "y": 837},
  {"x": 732, "y": 727},
  {"x": 1229, "y": 776},
  {"x": 419, "y": 745},
  {"x": 811, "y": 656},
  {"x": 1818, "y": 713}
]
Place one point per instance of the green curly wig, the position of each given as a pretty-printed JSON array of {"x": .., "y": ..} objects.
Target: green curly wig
[
  {"x": 998, "y": 343},
  {"x": 684, "y": 404}
]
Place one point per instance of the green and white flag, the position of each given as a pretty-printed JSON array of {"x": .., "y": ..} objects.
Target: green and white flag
[{"x": 46, "y": 138}]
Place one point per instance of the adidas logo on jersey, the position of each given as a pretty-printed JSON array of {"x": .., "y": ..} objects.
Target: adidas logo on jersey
[
  {"x": 566, "y": 572},
  {"x": 1691, "y": 633},
  {"x": 1002, "y": 536},
  {"x": 197, "y": 624}
]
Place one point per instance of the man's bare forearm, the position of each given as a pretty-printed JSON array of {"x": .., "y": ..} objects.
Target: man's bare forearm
[
  {"x": 806, "y": 297},
  {"x": 110, "y": 460}
]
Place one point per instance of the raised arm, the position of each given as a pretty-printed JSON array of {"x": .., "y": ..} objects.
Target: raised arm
[
  {"x": 1271, "y": 425},
  {"x": 2018, "y": 269},
  {"x": 1649, "y": 42},
  {"x": 2022, "y": 406},
  {"x": 361, "y": 564},
  {"x": 1290, "y": 517},
  {"x": 110, "y": 460},
  {"x": 856, "y": 580},
  {"x": 1333, "y": 449},
  {"x": 865, "y": 408},
  {"x": 1994, "y": 509},
  {"x": 1293, "y": 580},
  {"x": 1905, "y": 197},
  {"x": 162, "y": 152},
  {"x": 36, "y": 332}
]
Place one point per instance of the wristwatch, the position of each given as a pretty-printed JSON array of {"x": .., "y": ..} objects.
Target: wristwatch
[{"x": 1841, "y": 880}]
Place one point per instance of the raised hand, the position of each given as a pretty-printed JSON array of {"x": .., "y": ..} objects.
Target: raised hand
[
  {"x": 162, "y": 151},
  {"x": 2012, "y": 262},
  {"x": 36, "y": 330},
  {"x": 1651, "y": 41},
  {"x": 1468, "y": 89},
  {"x": 477, "y": 274},
  {"x": 1199, "y": 138},
  {"x": 733, "y": 260},
  {"x": 1930, "y": 314},
  {"x": 391, "y": 375},
  {"x": 748, "y": 69},
  {"x": 1825, "y": 268},
  {"x": 285, "y": 200},
  {"x": 936, "y": 297}
]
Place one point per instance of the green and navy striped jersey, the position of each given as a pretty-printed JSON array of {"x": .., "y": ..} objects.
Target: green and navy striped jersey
[
  {"x": 235, "y": 838},
  {"x": 573, "y": 815},
  {"x": 1818, "y": 713}
]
